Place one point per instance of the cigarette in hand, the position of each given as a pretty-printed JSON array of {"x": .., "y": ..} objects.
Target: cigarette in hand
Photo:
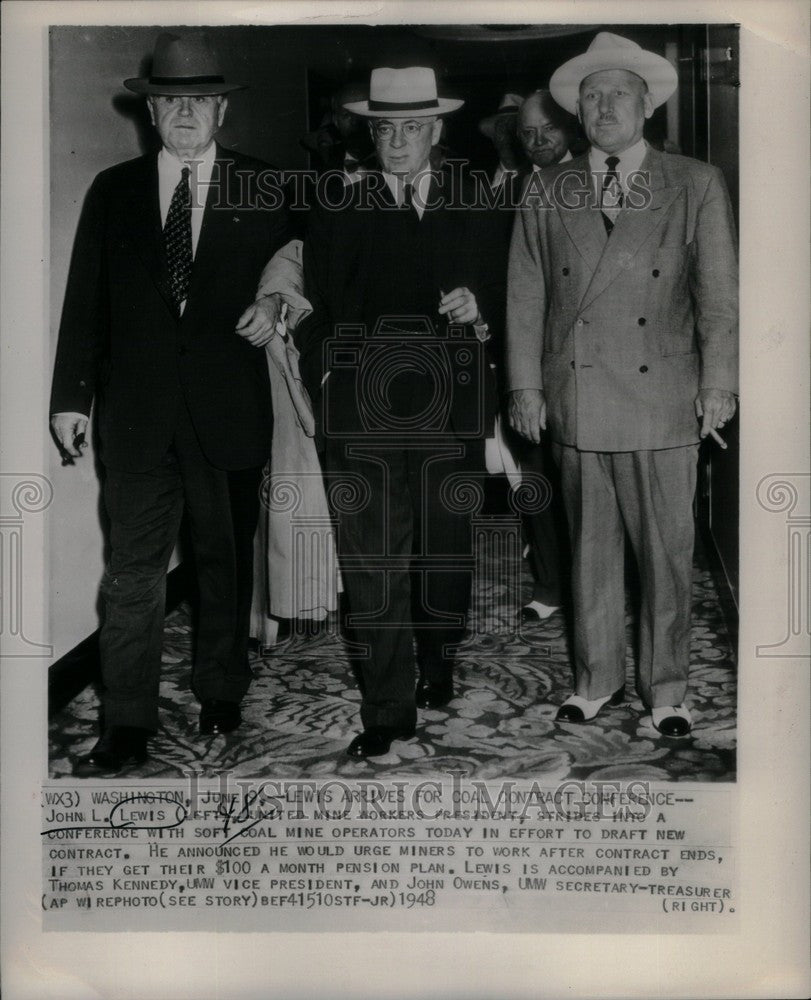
[{"x": 718, "y": 438}]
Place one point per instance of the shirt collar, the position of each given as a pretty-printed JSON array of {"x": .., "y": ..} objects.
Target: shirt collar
[
  {"x": 169, "y": 165},
  {"x": 420, "y": 184},
  {"x": 564, "y": 159},
  {"x": 629, "y": 159}
]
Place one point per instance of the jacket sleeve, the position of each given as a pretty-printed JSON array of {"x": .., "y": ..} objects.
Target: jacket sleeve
[
  {"x": 84, "y": 328},
  {"x": 714, "y": 284},
  {"x": 526, "y": 304}
]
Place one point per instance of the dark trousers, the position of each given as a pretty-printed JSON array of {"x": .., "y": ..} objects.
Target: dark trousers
[
  {"x": 648, "y": 495},
  {"x": 145, "y": 511},
  {"x": 404, "y": 545}
]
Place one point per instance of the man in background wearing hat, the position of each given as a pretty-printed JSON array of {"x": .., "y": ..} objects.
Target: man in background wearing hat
[
  {"x": 167, "y": 255},
  {"x": 403, "y": 414},
  {"x": 500, "y": 130},
  {"x": 622, "y": 345}
]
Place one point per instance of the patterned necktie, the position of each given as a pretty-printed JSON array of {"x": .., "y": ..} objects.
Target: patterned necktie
[
  {"x": 611, "y": 197},
  {"x": 177, "y": 239}
]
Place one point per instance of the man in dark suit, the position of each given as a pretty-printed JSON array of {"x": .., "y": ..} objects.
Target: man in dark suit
[
  {"x": 167, "y": 255},
  {"x": 392, "y": 355},
  {"x": 622, "y": 341}
]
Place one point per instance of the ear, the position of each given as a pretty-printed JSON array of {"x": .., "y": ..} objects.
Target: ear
[
  {"x": 151, "y": 106},
  {"x": 221, "y": 112},
  {"x": 436, "y": 131},
  {"x": 647, "y": 103},
  {"x": 577, "y": 111}
]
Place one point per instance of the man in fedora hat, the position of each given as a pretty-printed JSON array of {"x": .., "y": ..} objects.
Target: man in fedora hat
[
  {"x": 167, "y": 255},
  {"x": 392, "y": 357},
  {"x": 622, "y": 346},
  {"x": 500, "y": 130}
]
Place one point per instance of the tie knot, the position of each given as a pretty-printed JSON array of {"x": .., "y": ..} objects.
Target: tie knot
[
  {"x": 185, "y": 173},
  {"x": 611, "y": 162}
]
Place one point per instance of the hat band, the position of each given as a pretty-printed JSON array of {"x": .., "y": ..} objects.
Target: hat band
[
  {"x": 178, "y": 81},
  {"x": 402, "y": 105}
]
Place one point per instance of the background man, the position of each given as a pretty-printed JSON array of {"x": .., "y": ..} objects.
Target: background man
[
  {"x": 402, "y": 408},
  {"x": 167, "y": 255},
  {"x": 622, "y": 330},
  {"x": 500, "y": 130},
  {"x": 546, "y": 132}
]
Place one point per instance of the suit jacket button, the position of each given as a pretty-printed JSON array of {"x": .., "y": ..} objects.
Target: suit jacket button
[
  {"x": 643, "y": 369},
  {"x": 572, "y": 363},
  {"x": 655, "y": 272},
  {"x": 565, "y": 270},
  {"x": 642, "y": 321}
]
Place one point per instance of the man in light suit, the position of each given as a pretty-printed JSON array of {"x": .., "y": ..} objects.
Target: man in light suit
[
  {"x": 622, "y": 346},
  {"x": 167, "y": 255}
]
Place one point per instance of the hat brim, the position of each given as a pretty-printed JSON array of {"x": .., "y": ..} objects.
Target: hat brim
[
  {"x": 444, "y": 107},
  {"x": 142, "y": 85},
  {"x": 487, "y": 126},
  {"x": 655, "y": 70}
]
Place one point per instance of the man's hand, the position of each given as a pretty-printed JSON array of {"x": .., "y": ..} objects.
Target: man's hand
[
  {"x": 715, "y": 408},
  {"x": 460, "y": 306},
  {"x": 258, "y": 323},
  {"x": 67, "y": 427},
  {"x": 528, "y": 413}
]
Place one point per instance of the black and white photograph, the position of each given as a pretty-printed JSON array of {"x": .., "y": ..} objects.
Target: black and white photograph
[{"x": 405, "y": 498}]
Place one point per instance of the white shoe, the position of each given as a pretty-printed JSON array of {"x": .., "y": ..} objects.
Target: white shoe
[
  {"x": 577, "y": 709},
  {"x": 536, "y": 611}
]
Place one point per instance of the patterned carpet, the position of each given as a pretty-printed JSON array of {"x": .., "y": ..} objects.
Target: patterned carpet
[{"x": 302, "y": 709}]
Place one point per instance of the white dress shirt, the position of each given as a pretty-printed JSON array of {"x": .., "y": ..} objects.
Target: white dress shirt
[
  {"x": 419, "y": 188},
  {"x": 630, "y": 160}
]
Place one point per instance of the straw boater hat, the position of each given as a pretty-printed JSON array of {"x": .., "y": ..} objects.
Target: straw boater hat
[
  {"x": 510, "y": 103},
  {"x": 403, "y": 93},
  {"x": 183, "y": 66},
  {"x": 609, "y": 51}
]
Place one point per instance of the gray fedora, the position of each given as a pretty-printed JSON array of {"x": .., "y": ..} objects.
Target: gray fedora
[{"x": 183, "y": 66}]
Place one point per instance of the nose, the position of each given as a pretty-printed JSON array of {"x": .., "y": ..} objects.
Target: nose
[
  {"x": 606, "y": 104},
  {"x": 185, "y": 106},
  {"x": 398, "y": 139}
]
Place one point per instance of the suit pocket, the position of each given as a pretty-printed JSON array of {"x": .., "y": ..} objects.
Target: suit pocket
[{"x": 671, "y": 302}]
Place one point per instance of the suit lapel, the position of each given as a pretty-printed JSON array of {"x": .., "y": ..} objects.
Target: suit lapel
[
  {"x": 582, "y": 221},
  {"x": 632, "y": 229},
  {"x": 217, "y": 222},
  {"x": 145, "y": 227}
]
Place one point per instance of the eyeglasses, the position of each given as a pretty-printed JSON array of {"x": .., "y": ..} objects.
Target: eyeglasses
[{"x": 386, "y": 130}]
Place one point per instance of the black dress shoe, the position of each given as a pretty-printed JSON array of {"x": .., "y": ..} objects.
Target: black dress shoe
[
  {"x": 573, "y": 713},
  {"x": 118, "y": 748},
  {"x": 434, "y": 694},
  {"x": 219, "y": 717},
  {"x": 674, "y": 726},
  {"x": 376, "y": 742}
]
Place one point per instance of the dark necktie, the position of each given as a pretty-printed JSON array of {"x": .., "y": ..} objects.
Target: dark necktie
[
  {"x": 177, "y": 239},
  {"x": 408, "y": 201},
  {"x": 611, "y": 197}
]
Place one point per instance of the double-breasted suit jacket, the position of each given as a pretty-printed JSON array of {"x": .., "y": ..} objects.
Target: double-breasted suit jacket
[
  {"x": 122, "y": 342},
  {"x": 621, "y": 333}
]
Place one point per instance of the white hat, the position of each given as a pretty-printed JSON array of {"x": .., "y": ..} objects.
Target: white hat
[
  {"x": 403, "y": 93},
  {"x": 510, "y": 103},
  {"x": 609, "y": 51}
]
